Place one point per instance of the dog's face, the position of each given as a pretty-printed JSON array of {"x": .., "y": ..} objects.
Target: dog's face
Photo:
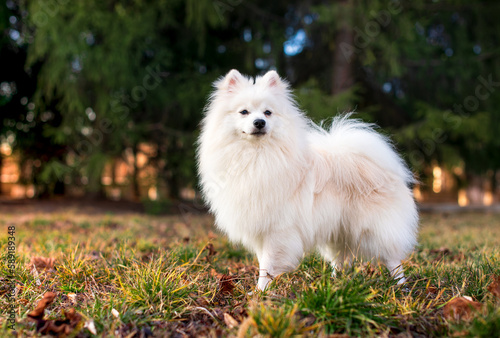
[
  {"x": 253, "y": 119},
  {"x": 251, "y": 110}
]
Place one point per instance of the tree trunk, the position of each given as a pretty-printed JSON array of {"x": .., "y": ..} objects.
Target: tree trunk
[
  {"x": 475, "y": 191},
  {"x": 135, "y": 175},
  {"x": 342, "y": 74}
]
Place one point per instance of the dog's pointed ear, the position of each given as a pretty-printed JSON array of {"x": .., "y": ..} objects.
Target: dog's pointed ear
[
  {"x": 231, "y": 81},
  {"x": 272, "y": 79}
]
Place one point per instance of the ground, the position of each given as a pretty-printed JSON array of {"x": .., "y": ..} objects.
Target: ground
[{"x": 130, "y": 274}]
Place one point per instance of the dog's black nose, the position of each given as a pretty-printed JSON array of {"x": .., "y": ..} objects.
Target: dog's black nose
[{"x": 259, "y": 123}]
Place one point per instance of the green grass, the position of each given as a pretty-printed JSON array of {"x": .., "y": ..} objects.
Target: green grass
[{"x": 156, "y": 272}]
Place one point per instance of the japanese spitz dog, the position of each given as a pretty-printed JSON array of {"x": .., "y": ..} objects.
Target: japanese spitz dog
[{"x": 282, "y": 186}]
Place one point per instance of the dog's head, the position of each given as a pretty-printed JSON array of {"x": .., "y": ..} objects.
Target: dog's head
[{"x": 249, "y": 109}]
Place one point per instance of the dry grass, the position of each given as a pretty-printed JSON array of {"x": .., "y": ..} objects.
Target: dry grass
[{"x": 162, "y": 277}]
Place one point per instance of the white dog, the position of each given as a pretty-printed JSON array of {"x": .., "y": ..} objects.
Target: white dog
[{"x": 281, "y": 185}]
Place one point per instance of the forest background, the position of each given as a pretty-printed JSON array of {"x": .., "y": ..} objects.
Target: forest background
[{"x": 87, "y": 84}]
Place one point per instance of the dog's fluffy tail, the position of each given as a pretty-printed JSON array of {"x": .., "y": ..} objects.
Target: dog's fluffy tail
[{"x": 357, "y": 158}]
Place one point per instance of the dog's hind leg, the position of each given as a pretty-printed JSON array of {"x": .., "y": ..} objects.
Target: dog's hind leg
[
  {"x": 338, "y": 258},
  {"x": 396, "y": 269},
  {"x": 340, "y": 263}
]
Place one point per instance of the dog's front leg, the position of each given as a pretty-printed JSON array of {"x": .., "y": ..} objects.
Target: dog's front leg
[
  {"x": 266, "y": 269},
  {"x": 277, "y": 255},
  {"x": 264, "y": 278}
]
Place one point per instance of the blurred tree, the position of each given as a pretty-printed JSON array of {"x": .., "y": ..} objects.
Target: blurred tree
[
  {"x": 427, "y": 71},
  {"x": 22, "y": 127},
  {"x": 123, "y": 73},
  {"x": 104, "y": 77}
]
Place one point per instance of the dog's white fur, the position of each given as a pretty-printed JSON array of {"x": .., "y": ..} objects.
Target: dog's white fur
[{"x": 298, "y": 187}]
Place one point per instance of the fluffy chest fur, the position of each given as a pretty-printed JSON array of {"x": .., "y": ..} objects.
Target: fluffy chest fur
[{"x": 249, "y": 187}]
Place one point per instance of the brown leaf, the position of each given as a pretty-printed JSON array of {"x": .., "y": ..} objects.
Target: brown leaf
[
  {"x": 494, "y": 287},
  {"x": 239, "y": 311},
  {"x": 56, "y": 327},
  {"x": 226, "y": 285},
  {"x": 4, "y": 286},
  {"x": 211, "y": 251},
  {"x": 73, "y": 317},
  {"x": 461, "y": 308},
  {"x": 431, "y": 290},
  {"x": 440, "y": 253},
  {"x": 443, "y": 253},
  {"x": 442, "y": 250},
  {"x": 458, "y": 257},
  {"x": 230, "y": 321},
  {"x": 61, "y": 327},
  {"x": 50, "y": 327},
  {"x": 42, "y": 263},
  {"x": 39, "y": 311}
]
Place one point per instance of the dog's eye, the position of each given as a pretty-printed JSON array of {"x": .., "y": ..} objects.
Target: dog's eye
[
  {"x": 267, "y": 113},
  {"x": 244, "y": 112}
]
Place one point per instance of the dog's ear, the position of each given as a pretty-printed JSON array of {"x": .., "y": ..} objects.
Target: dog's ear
[
  {"x": 272, "y": 79},
  {"x": 231, "y": 81}
]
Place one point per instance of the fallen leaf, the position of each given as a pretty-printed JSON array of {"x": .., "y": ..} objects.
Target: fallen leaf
[
  {"x": 459, "y": 257},
  {"x": 4, "y": 286},
  {"x": 461, "y": 308},
  {"x": 62, "y": 327},
  {"x": 431, "y": 290},
  {"x": 494, "y": 287},
  {"x": 42, "y": 263},
  {"x": 73, "y": 317},
  {"x": 440, "y": 253},
  {"x": 211, "y": 251},
  {"x": 57, "y": 327},
  {"x": 239, "y": 311},
  {"x": 443, "y": 252},
  {"x": 39, "y": 311},
  {"x": 226, "y": 285},
  {"x": 230, "y": 321}
]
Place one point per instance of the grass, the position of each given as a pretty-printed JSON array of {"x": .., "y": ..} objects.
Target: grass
[{"x": 137, "y": 274}]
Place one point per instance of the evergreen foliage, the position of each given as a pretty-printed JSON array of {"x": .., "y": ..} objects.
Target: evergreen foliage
[{"x": 87, "y": 82}]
